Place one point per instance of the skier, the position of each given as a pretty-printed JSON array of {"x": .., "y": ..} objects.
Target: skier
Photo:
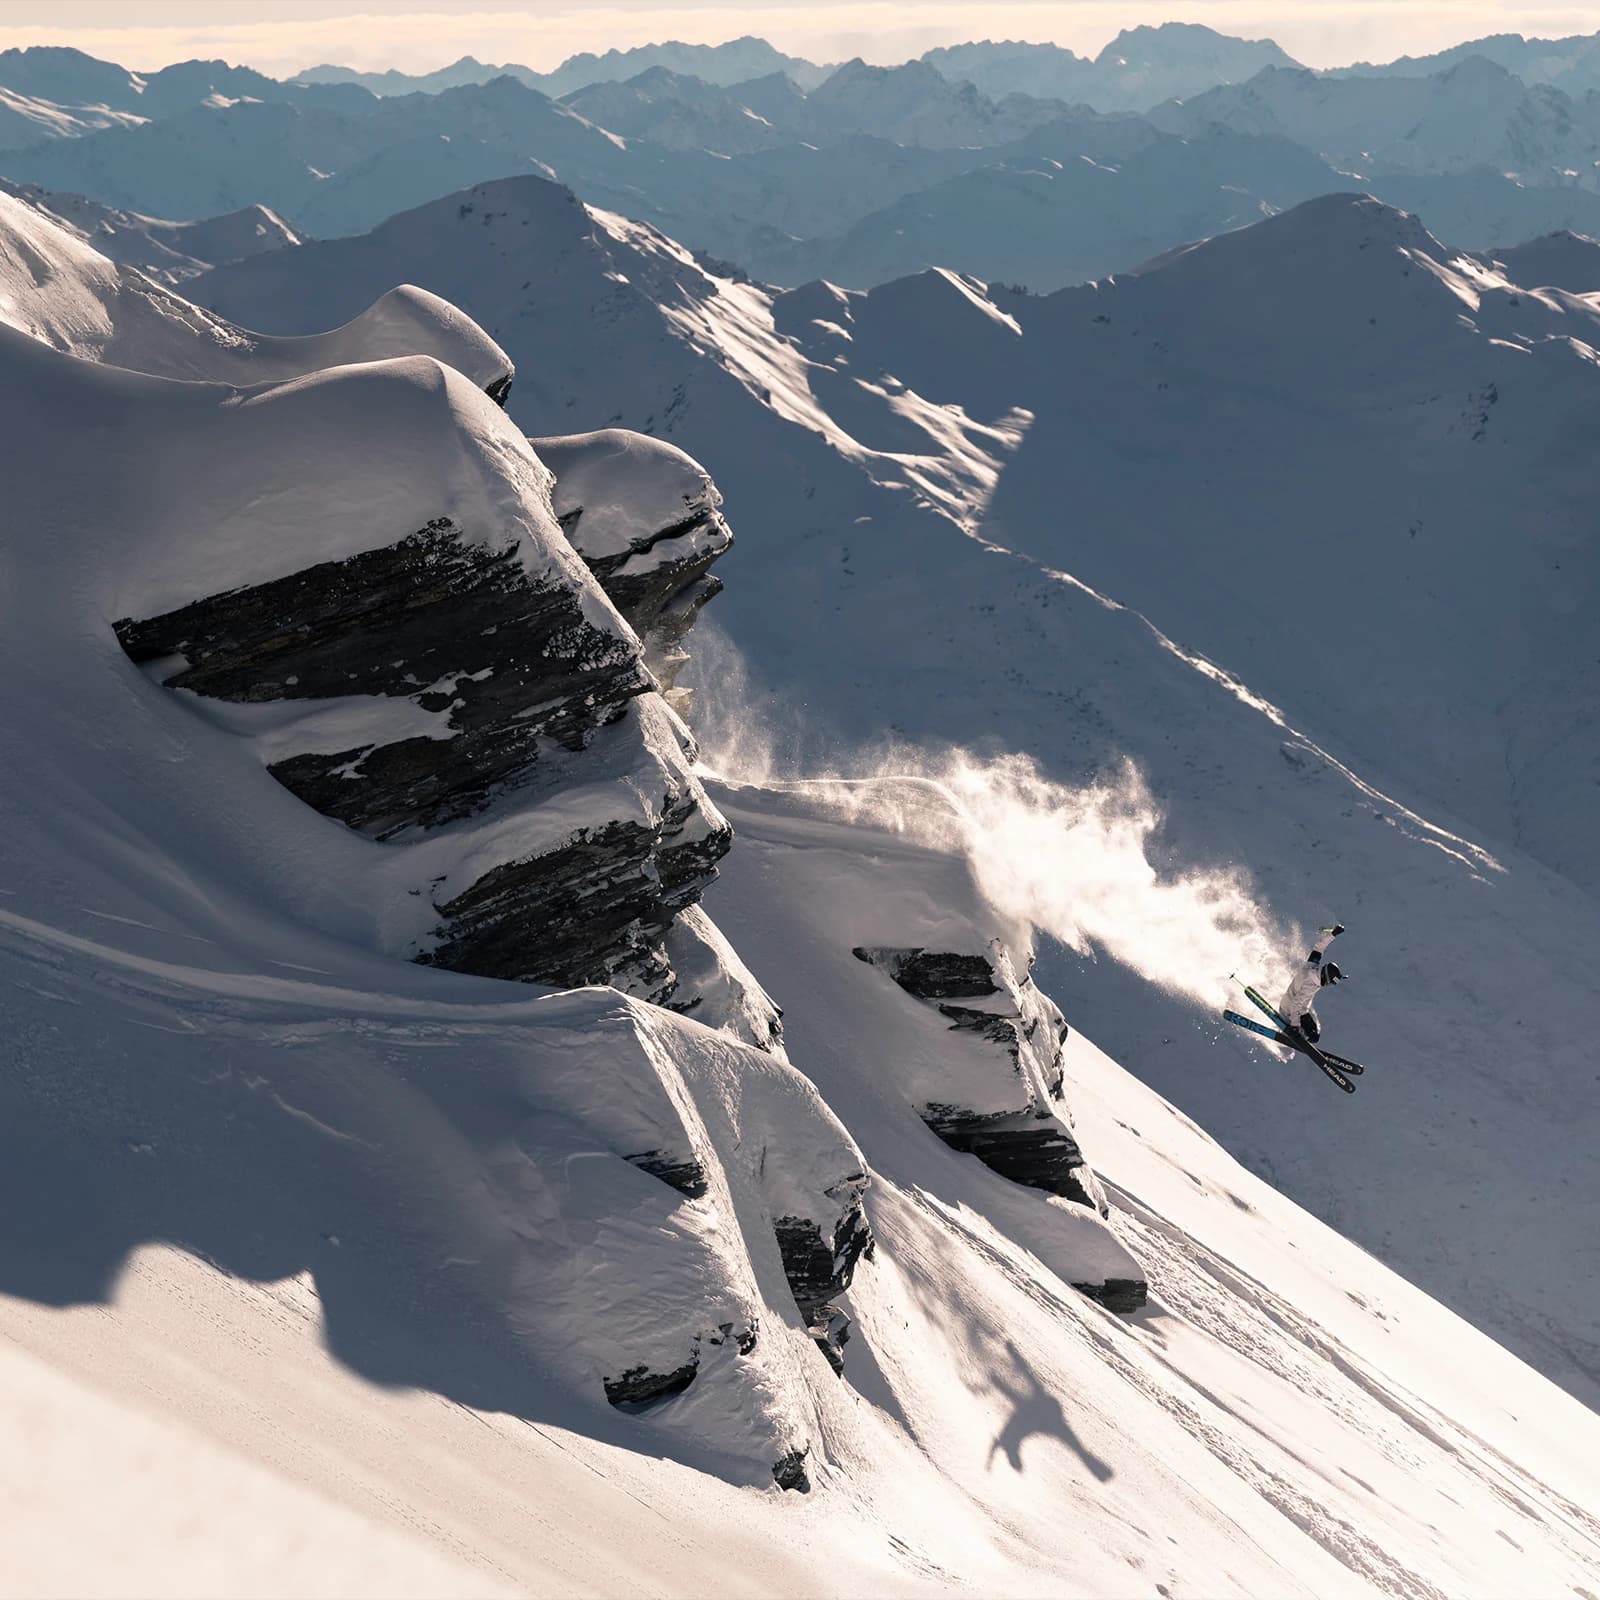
[{"x": 1298, "y": 1006}]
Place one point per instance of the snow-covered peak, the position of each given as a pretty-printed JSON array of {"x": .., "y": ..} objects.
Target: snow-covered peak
[
  {"x": 1474, "y": 114},
  {"x": 1562, "y": 260},
  {"x": 165, "y": 250},
  {"x": 58, "y": 289},
  {"x": 69, "y": 77},
  {"x": 1171, "y": 45},
  {"x": 679, "y": 112}
]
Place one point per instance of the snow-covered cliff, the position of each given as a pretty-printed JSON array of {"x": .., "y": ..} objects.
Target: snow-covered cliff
[{"x": 580, "y": 1290}]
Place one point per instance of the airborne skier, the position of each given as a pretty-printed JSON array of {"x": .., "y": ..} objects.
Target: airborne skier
[
  {"x": 1295, "y": 1015},
  {"x": 1299, "y": 1002}
]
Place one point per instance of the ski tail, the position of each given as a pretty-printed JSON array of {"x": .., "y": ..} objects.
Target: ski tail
[{"x": 1259, "y": 1027}]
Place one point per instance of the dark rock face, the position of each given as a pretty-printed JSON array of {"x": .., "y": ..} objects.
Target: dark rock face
[
  {"x": 682, "y": 1173},
  {"x": 789, "y": 1470},
  {"x": 1122, "y": 1295},
  {"x": 602, "y": 904},
  {"x": 1031, "y": 1142},
  {"x": 1036, "y": 1151},
  {"x": 645, "y": 518},
  {"x": 995, "y": 1029},
  {"x": 933, "y": 975},
  {"x": 639, "y": 1386},
  {"x": 819, "y": 1268},
  {"x": 500, "y": 390},
  {"x": 830, "y": 1331},
  {"x": 460, "y": 630},
  {"x": 519, "y": 683},
  {"x": 660, "y": 600}
]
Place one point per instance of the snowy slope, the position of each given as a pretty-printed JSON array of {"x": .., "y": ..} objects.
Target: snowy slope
[
  {"x": 166, "y": 251},
  {"x": 389, "y": 1230},
  {"x": 1278, "y": 1421},
  {"x": 56, "y": 287},
  {"x": 1375, "y": 789},
  {"x": 26, "y": 120},
  {"x": 1569, "y": 261}
]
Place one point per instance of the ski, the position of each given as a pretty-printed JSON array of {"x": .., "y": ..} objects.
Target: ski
[
  {"x": 1259, "y": 1027},
  {"x": 1327, "y": 1066},
  {"x": 1325, "y": 1062},
  {"x": 1272, "y": 1011},
  {"x": 1343, "y": 1063}
]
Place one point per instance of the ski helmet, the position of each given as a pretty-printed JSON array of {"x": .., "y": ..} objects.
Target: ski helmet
[{"x": 1331, "y": 972}]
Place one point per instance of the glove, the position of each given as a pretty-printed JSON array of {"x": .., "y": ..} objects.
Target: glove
[{"x": 1336, "y": 929}]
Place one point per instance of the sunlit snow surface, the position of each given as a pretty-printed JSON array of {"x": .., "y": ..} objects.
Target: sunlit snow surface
[
  {"x": 1250, "y": 517},
  {"x": 331, "y": 1251},
  {"x": 1286, "y": 1417}
]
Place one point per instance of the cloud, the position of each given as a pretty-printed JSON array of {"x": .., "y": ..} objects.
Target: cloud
[{"x": 416, "y": 35}]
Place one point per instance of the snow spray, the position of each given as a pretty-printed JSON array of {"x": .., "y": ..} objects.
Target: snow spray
[{"x": 1069, "y": 861}]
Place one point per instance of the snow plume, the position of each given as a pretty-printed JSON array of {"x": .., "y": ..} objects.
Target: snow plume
[
  {"x": 1070, "y": 862},
  {"x": 1075, "y": 863}
]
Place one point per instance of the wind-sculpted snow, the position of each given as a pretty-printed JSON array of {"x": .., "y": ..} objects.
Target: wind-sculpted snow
[
  {"x": 645, "y": 518},
  {"x": 57, "y": 288},
  {"x": 483, "y": 1220}
]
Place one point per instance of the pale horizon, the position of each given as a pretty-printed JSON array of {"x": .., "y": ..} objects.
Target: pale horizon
[{"x": 422, "y": 35}]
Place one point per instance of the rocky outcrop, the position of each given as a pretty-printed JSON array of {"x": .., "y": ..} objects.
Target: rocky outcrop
[
  {"x": 1023, "y": 1146},
  {"x": 439, "y": 680},
  {"x": 933, "y": 974},
  {"x": 1017, "y": 1126},
  {"x": 683, "y": 1173},
  {"x": 638, "y": 1387},
  {"x": 819, "y": 1267},
  {"x": 789, "y": 1470},
  {"x": 499, "y": 666},
  {"x": 602, "y": 902},
  {"x": 1030, "y": 1140},
  {"x": 1122, "y": 1295},
  {"x": 644, "y": 516}
]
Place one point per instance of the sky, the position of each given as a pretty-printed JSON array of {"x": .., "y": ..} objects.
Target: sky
[{"x": 417, "y": 35}]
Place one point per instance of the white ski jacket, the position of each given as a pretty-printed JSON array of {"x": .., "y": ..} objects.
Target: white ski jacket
[{"x": 1300, "y": 998}]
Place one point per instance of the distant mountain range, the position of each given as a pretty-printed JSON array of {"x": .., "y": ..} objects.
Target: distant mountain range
[
  {"x": 733, "y": 62},
  {"x": 1015, "y": 162}
]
